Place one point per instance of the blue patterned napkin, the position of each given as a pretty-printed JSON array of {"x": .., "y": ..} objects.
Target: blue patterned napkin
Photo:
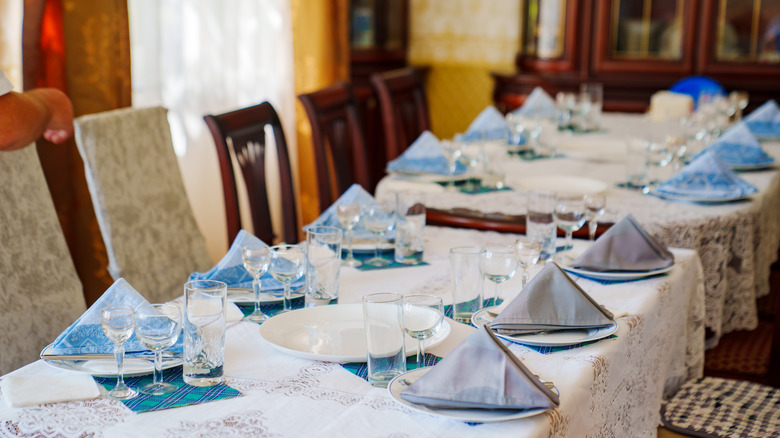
[
  {"x": 764, "y": 121},
  {"x": 231, "y": 270},
  {"x": 706, "y": 178},
  {"x": 538, "y": 104},
  {"x": 490, "y": 124},
  {"x": 425, "y": 155},
  {"x": 85, "y": 336},
  {"x": 356, "y": 194},
  {"x": 738, "y": 148}
]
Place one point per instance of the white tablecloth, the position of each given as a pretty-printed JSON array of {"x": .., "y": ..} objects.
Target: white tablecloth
[
  {"x": 611, "y": 388},
  {"x": 737, "y": 242}
]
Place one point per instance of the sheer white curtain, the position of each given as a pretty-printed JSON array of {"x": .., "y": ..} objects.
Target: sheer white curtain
[
  {"x": 198, "y": 57},
  {"x": 11, "y": 41}
]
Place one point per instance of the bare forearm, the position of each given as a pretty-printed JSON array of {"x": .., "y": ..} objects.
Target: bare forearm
[{"x": 24, "y": 117}]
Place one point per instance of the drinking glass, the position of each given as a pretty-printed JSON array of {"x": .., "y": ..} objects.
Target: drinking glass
[
  {"x": 516, "y": 131},
  {"x": 498, "y": 264},
  {"x": 659, "y": 156},
  {"x": 570, "y": 214},
  {"x": 158, "y": 327},
  {"x": 539, "y": 222},
  {"x": 740, "y": 99},
  {"x": 287, "y": 263},
  {"x": 592, "y": 99},
  {"x": 379, "y": 220},
  {"x": 118, "y": 324},
  {"x": 596, "y": 204},
  {"x": 452, "y": 151},
  {"x": 256, "y": 260},
  {"x": 423, "y": 315},
  {"x": 349, "y": 216},
  {"x": 527, "y": 252}
]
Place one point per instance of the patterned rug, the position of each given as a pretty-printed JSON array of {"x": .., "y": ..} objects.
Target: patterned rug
[{"x": 741, "y": 354}]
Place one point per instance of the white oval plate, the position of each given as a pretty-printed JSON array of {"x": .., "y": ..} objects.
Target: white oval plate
[
  {"x": 559, "y": 183},
  {"x": 562, "y": 259},
  {"x": 403, "y": 381},
  {"x": 698, "y": 200},
  {"x": 558, "y": 338},
  {"x": 329, "y": 333},
  {"x": 107, "y": 367}
]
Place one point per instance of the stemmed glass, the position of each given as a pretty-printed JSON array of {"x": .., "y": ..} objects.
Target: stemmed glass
[
  {"x": 158, "y": 327},
  {"x": 287, "y": 262},
  {"x": 379, "y": 220},
  {"x": 118, "y": 324},
  {"x": 452, "y": 151},
  {"x": 570, "y": 215},
  {"x": 256, "y": 260},
  {"x": 596, "y": 205},
  {"x": 423, "y": 315},
  {"x": 498, "y": 264},
  {"x": 527, "y": 252},
  {"x": 740, "y": 99},
  {"x": 349, "y": 216}
]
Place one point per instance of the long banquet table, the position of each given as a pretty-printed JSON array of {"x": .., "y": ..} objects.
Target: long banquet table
[
  {"x": 613, "y": 387},
  {"x": 737, "y": 242}
]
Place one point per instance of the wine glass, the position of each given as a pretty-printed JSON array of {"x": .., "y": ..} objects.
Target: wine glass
[
  {"x": 158, "y": 327},
  {"x": 498, "y": 264},
  {"x": 118, "y": 324},
  {"x": 596, "y": 205},
  {"x": 740, "y": 99},
  {"x": 423, "y": 315},
  {"x": 527, "y": 252},
  {"x": 379, "y": 220},
  {"x": 256, "y": 260},
  {"x": 349, "y": 216},
  {"x": 452, "y": 151},
  {"x": 287, "y": 262},
  {"x": 570, "y": 214}
]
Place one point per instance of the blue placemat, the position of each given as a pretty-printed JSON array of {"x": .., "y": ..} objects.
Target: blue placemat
[
  {"x": 531, "y": 155},
  {"x": 272, "y": 309},
  {"x": 185, "y": 395},
  {"x": 389, "y": 255},
  {"x": 473, "y": 186},
  {"x": 360, "y": 369}
]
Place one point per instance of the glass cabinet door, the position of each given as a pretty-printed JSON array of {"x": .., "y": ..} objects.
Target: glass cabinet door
[
  {"x": 646, "y": 29},
  {"x": 545, "y": 28},
  {"x": 747, "y": 31}
]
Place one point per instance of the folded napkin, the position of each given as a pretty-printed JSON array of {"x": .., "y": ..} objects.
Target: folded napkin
[
  {"x": 764, "y": 121},
  {"x": 551, "y": 301},
  {"x": 538, "y": 104},
  {"x": 19, "y": 391},
  {"x": 625, "y": 247},
  {"x": 355, "y": 194},
  {"x": 706, "y": 178},
  {"x": 231, "y": 269},
  {"x": 737, "y": 147},
  {"x": 490, "y": 124},
  {"x": 480, "y": 373},
  {"x": 85, "y": 336},
  {"x": 424, "y": 155}
]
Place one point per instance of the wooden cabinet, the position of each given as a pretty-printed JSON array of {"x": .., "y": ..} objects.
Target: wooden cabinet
[{"x": 637, "y": 47}]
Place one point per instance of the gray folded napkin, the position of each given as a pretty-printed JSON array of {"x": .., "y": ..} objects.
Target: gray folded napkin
[
  {"x": 551, "y": 301},
  {"x": 625, "y": 247},
  {"x": 481, "y": 373}
]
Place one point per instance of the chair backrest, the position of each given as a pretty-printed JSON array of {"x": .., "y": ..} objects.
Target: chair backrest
[
  {"x": 337, "y": 137},
  {"x": 401, "y": 95},
  {"x": 40, "y": 292},
  {"x": 240, "y": 135},
  {"x": 140, "y": 202}
]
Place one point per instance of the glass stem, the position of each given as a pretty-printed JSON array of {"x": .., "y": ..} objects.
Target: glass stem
[
  {"x": 158, "y": 373},
  {"x": 420, "y": 353},
  {"x": 119, "y": 353},
  {"x": 568, "y": 240},
  {"x": 592, "y": 226},
  {"x": 525, "y": 277},
  {"x": 256, "y": 287},
  {"x": 287, "y": 298},
  {"x": 378, "y": 244},
  {"x": 350, "y": 254}
]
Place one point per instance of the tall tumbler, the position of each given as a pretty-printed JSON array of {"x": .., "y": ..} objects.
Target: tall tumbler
[
  {"x": 204, "y": 332},
  {"x": 383, "y": 318},
  {"x": 539, "y": 223},
  {"x": 323, "y": 264},
  {"x": 409, "y": 229},
  {"x": 467, "y": 282}
]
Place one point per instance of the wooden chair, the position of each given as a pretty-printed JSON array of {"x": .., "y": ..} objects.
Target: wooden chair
[
  {"x": 240, "y": 136},
  {"x": 339, "y": 144},
  {"x": 404, "y": 109}
]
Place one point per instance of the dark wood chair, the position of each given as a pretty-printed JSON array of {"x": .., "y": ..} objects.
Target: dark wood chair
[
  {"x": 404, "y": 108},
  {"x": 338, "y": 141},
  {"x": 240, "y": 136}
]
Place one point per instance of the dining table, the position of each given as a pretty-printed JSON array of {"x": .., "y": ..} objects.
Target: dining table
[
  {"x": 614, "y": 386},
  {"x": 737, "y": 241}
]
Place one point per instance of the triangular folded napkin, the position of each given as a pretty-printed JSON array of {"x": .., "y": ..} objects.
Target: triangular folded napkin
[
  {"x": 355, "y": 194},
  {"x": 551, "y": 301},
  {"x": 737, "y": 147},
  {"x": 424, "y": 155},
  {"x": 706, "y": 178},
  {"x": 490, "y": 124},
  {"x": 764, "y": 121},
  {"x": 538, "y": 104},
  {"x": 625, "y": 247},
  {"x": 85, "y": 336},
  {"x": 230, "y": 269},
  {"x": 481, "y": 373}
]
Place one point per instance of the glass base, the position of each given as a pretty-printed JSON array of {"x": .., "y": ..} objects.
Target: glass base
[
  {"x": 256, "y": 316},
  {"x": 378, "y": 261},
  {"x": 161, "y": 388},
  {"x": 122, "y": 393},
  {"x": 353, "y": 262}
]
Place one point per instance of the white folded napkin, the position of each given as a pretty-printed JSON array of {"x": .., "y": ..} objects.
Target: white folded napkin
[{"x": 19, "y": 391}]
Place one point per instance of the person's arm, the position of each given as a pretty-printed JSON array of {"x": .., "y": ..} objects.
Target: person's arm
[{"x": 24, "y": 117}]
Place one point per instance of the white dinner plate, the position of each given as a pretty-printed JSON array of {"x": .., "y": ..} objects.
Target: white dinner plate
[
  {"x": 574, "y": 185},
  {"x": 600, "y": 149},
  {"x": 107, "y": 367},
  {"x": 403, "y": 381},
  {"x": 329, "y": 333},
  {"x": 428, "y": 177},
  {"x": 697, "y": 199},
  {"x": 559, "y": 338},
  {"x": 760, "y": 166},
  {"x": 564, "y": 259},
  {"x": 246, "y": 297},
  {"x": 365, "y": 247}
]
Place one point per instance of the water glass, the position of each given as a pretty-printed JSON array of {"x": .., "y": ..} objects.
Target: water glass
[
  {"x": 527, "y": 252},
  {"x": 570, "y": 215},
  {"x": 452, "y": 151},
  {"x": 349, "y": 216},
  {"x": 565, "y": 104},
  {"x": 410, "y": 229},
  {"x": 596, "y": 205},
  {"x": 323, "y": 263},
  {"x": 287, "y": 265},
  {"x": 379, "y": 220},
  {"x": 383, "y": 319},
  {"x": 118, "y": 324},
  {"x": 423, "y": 315},
  {"x": 636, "y": 162},
  {"x": 740, "y": 101},
  {"x": 659, "y": 156},
  {"x": 517, "y": 131},
  {"x": 158, "y": 327},
  {"x": 204, "y": 332},
  {"x": 539, "y": 222},
  {"x": 467, "y": 282},
  {"x": 591, "y": 102},
  {"x": 256, "y": 260},
  {"x": 498, "y": 264}
]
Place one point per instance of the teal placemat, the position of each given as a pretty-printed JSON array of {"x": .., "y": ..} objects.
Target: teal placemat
[
  {"x": 473, "y": 186},
  {"x": 389, "y": 255},
  {"x": 272, "y": 309},
  {"x": 531, "y": 155},
  {"x": 185, "y": 395},
  {"x": 360, "y": 369}
]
